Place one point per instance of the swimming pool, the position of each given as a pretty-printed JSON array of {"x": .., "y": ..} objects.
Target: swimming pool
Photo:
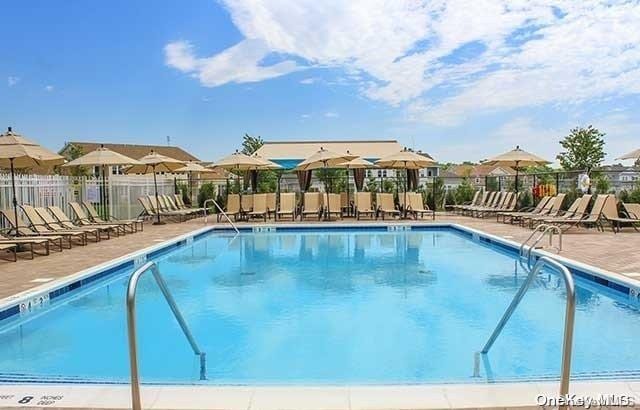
[{"x": 366, "y": 306}]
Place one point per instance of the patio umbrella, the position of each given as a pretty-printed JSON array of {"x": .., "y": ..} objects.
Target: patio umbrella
[
  {"x": 405, "y": 159},
  {"x": 153, "y": 163},
  {"x": 238, "y": 162},
  {"x": 266, "y": 165},
  {"x": 18, "y": 152},
  {"x": 357, "y": 163},
  {"x": 324, "y": 159},
  {"x": 631, "y": 155},
  {"x": 102, "y": 157},
  {"x": 190, "y": 168},
  {"x": 517, "y": 158}
]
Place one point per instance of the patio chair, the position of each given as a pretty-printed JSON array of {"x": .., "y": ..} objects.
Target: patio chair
[
  {"x": 28, "y": 235},
  {"x": 39, "y": 226},
  {"x": 11, "y": 249},
  {"x": 522, "y": 211},
  {"x": 632, "y": 210},
  {"x": 334, "y": 206},
  {"x": 489, "y": 202},
  {"x": 246, "y": 203},
  {"x": 164, "y": 205},
  {"x": 553, "y": 211},
  {"x": 345, "y": 204},
  {"x": 233, "y": 206},
  {"x": 94, "y": 217},
  {"x": 67, "y": 223},
  {"x": 287, "y": 205},
  {"x": 543, "y": 208},
  {"x": 363, "y": 205},
  {"x": 385, "y": 206},
  {"x": 495, "y": 203},
  {"x": 312, "y": 205},
  {"x": 171, "y": 206},
  {"x": 271, "y": 203},
  {"x": 260, "y": 209},
  {"x": 610, "y": 214},
  {"x": 27, "y": 243},
  {"x": 507, "y": 203},
  {"x": 417, "y": 207},
  {"x": 82, "y": 219},
  {"x": 158, "y": 208},
  {"x": 474, "y": 201},
  {"x": 593, "y": 218},
  {"x": 575, "y": 213},
  {"x": 53, "y": 224},
  {"x": 178, "y": 200},
  {"x": 478, "y": 200}
]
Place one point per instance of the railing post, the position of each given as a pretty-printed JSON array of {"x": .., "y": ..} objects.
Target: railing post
[{"x": 220, "y": 210}]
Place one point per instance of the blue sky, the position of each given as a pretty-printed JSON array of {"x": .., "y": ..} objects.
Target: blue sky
[{"x": 461, "y": 80}]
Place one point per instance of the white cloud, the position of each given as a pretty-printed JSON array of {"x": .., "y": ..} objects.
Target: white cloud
[
  {"x": 442, "y": 60},
  {"x": 49, "y": 88},
  {"x": 12, "y": 80},
  {"x": 241, "y": 63},
  {"x": 309, "y": 80},
  {"x": 305, "y": 116},
  {"x": 331, "y": 114}
]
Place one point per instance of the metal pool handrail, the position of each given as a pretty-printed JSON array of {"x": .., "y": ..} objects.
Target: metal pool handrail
[
  {"x": 131, "y": 328},
  {"x": 546, "y": 228},
  {"x": 221, "y": 211},
  {"x": 570, "y": 310}
]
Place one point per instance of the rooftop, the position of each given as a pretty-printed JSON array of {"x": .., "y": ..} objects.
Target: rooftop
[{"x": 134, "y": 151}]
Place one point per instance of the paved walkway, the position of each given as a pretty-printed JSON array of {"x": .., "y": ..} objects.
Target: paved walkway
[{"x": 613, "y": 252}]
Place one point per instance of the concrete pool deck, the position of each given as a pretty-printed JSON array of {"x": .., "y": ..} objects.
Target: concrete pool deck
[
  {"x": 616, "y": 253},
  {"x": 410, "y": 397}
]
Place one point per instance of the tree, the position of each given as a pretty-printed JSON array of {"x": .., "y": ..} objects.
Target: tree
[
  {"x": 464, "y": 191},
  {"x": 251, "y": 144},
  {"x": 584, "y": 149},
  {"x": 76, "y": 152}
]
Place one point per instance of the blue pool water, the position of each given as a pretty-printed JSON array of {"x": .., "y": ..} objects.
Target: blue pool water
[{"x": 327, "y": 307}]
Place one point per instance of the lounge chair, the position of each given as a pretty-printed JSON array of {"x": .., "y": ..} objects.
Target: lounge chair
[
  {"x": 67, "y": 223},
  {"x": 287, "y": 205},
  {"x": 416, "y": 206},
  {"x": 385, "y": 206},
  {"x": 260, "y": 209},
  {"x": 474, "y": 201},
  {"x": 345, "y": 204},
  {"x": 39, "y": 226},
  {"x": 166, "y": 206},
  {"x": 28, "y": 244},
  {"x": 233, "y": 206},
  {"x": 522, "y": 211},
  {"x": 29, "y": 236},
  {"x": 508, "y": 203},
  {"x": 12, "y": 249},
  {"x": 490, "y": 202},
  {"x": 171, "y": 206},
  {"x": 493, "y": 204},
  {"x": 575, "y": 213},
  {"x": 159, "y": 208},
  {"x": 53, "y": 224},
  {"x": 312, "y": 205},
  {"x": 553, "y": 211},
  {"x": 363, "y": 205},
  {"x": 272, "y": 203},
  {"x": 132, "y": 224},
  {"x": 178, "y": 200},
  {"x": 593, "y": 218},
  {"x": 632, "y": 210},
  {"x": 610, "y": 214},
  {"x": 246, "y": 203},
  {"x": 478, "y": 200},
  {"x": 543, "y": 208},
  {"x": 82, "y": 219},
  {"x": 334, "y": 207}
]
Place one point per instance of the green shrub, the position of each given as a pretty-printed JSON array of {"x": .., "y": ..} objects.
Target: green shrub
[
  {"x": 464, "y": 191},
  {"x": 450, "y": 198},
  {"x": 206, "y": 192},
  {"x": 526, "y": 200}
]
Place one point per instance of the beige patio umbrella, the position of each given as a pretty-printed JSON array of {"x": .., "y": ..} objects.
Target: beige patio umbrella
[
  {"x": 517, "y": 158},
  {"x": 631, "y": 155},
  {"x": 102, "y": 157},
  {"x": 325, "y": 159},
  {"x": 153, "y": 163},
  {"x": 357, "y": 163},
  {"x": 190, "y": 168},
  {"x": 18, "y": 152},
  {"x": 239, "y": 161},
  {"x": 405, "y": 159}
]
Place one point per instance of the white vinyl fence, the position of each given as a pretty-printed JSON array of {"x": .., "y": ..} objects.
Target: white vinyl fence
[{"x": 47, "y": 190}]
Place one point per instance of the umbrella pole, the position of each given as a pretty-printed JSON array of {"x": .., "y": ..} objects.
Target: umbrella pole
[
  {"x": 105, "y": 212},
  {"x": 517, "y": 163},
  {"x": 155, "y": 184},
  {"x": 15, "y": 199},
  {"x": 348, "y": 203},
  {"x": 406, "y": 179},
  {"x": 326, "y": 191}
]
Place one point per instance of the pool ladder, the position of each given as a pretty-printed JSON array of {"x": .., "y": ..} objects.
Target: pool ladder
[
  {"x": 213, "y": 201},
  {"x": 547, "y": 230},
  {"x": 131, "y": 328},
  {"x": 570, "y": 309}
]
